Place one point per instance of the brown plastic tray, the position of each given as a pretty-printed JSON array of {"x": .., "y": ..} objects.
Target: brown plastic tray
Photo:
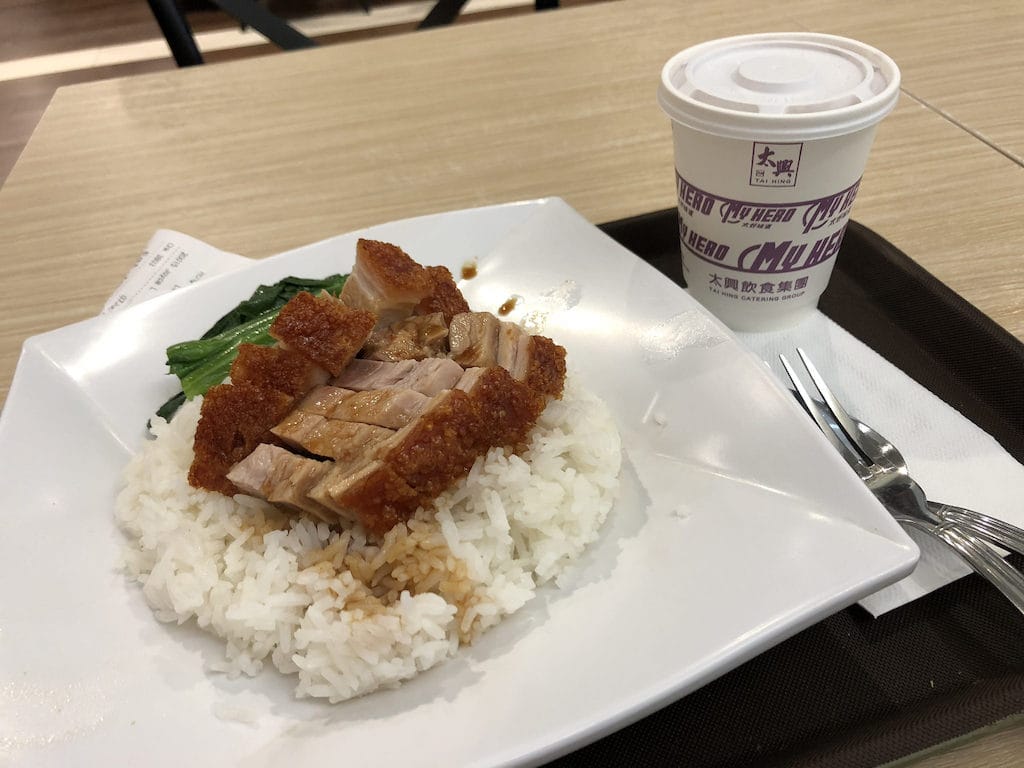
[{"x": 854, "y": 691}]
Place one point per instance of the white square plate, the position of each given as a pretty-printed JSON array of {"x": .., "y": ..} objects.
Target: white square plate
[{"x": 737, "y": 526}]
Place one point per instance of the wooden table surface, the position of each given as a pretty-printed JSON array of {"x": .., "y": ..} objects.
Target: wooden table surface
[{"x": 261, "y": 155}]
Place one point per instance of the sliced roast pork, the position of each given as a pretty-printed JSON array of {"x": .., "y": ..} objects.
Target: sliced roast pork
[
  {"x": 432, "y": 452},
  {"x": 411, "y": 468},
  {"x": 346, "y": 442},
  {"x": 473, "y": 339},
  {"x": 279, "y": 476},
  {"x": 383, "y": 437},
  {"x": 321, "y": 335},
  {"x": 363, "y": 374},
  {"x": 413, "y": 338},
  {"x": 235, "y": 418},
  {"x": 391, "y": 407},
  {"x": 385, "y": 281},
  {"x": 323, "y": 329},
  {"x": 479, "y": 339},
  {"x": 445, "y": 296},
  {"x": 428, "y": 376},
  {"x": 322, "y": 399},
  {"x": 374, "y": 495}
]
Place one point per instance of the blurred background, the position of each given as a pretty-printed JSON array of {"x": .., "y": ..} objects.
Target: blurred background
[{"x": 46, "y": 44}]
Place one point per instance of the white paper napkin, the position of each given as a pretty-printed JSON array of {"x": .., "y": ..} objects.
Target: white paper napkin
[{"x": 955, "y": 461}]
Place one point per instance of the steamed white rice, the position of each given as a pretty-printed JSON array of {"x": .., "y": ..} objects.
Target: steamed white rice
[{"x": 345, "y": 615}]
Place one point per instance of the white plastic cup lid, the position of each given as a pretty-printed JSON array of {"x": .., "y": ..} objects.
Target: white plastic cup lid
[{"x": 790, "y": 85}]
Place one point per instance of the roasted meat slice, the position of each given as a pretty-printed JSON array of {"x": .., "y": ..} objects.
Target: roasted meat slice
[
  {"x": 433, "y": 451},
  {"x": 322, "y": 399},
  {"x": 234, "y": 419},
  {"x": 445, "y": 296},
  {"x": 385, "y": 281},
  {"x": 374, "y": 495},
  {"x": 469, "y": 379},
  {"x": 409, "y": 469},
  {"x": 413, "y": 338},
  {"x": 480, "y": 339},
  {"x": 432, "y": 376},
  {"x": 473, "y": 339},
  {"x": 279, "y": 476},
  {"x": 278, "y": 368},
  {"x": 428, "y": 376},
  {"x": 346, "y": 442},
  {"x": 391, "y": 408},
  {"x": 513, "y": 350},
  {"x": 385, "y": 436},
  {"x": 373, "y": 374},
  {"x": 323, "y": 329},
  {"x": 439, "y": 447}
]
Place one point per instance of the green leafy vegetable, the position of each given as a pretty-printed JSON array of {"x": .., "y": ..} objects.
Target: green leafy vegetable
[{"x": 202, "y": 363}]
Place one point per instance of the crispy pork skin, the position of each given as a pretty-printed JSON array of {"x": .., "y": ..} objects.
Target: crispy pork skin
[
  {"x": 234, "y": 419},
  {"x": 278, "y": 368},
  {"x": 445, "y": 296},
  {"x": 545, "y": 367},
  {"x": 323, "y": 329},
  {"x": 507, "y": 409}
]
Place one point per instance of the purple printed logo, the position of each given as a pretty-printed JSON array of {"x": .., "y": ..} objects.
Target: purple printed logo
[
  {"x": 829, "y": 210},
  {"x": 775, "y": 165},
  {"x": 766, "y": 257},
  {"x": 811, "y": 214}
]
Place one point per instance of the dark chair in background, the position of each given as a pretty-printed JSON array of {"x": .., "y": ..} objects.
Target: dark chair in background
[
  {"x": 174, "y": 24},
  {"x": 446, "y": 11}
]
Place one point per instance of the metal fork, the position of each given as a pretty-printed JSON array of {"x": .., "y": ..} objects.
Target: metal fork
[
  {"x": 889, "y": 480},
  {"x": 991, "y": 529}
]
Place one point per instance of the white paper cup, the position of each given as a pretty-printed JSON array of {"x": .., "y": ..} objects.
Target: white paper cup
[{"x": 771, "y": 135}]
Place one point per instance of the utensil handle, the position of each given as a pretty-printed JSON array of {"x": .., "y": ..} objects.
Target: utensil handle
[
  {"x": 984, "y": 560},
  {"x": 998, "y": 532}
]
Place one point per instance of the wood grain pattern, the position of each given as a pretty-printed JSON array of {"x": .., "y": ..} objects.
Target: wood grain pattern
[
  {"x": 998, "y": 746},
  {"x": 961, "y": 58},
  {"x": 259, "y": 156}
]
